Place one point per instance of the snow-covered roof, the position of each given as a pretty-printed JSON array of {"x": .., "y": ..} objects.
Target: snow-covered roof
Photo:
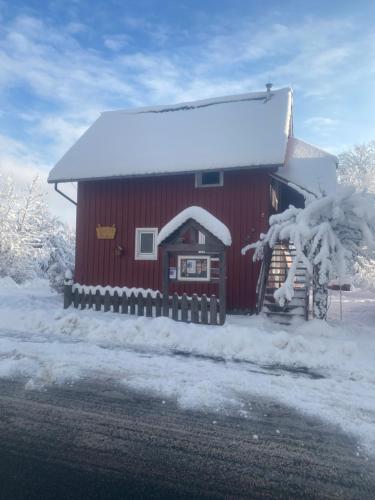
[
  {"x": 203, "y": 217},
  {"x": 309, "y": 168},
  {"x": 236, "y": 131}
]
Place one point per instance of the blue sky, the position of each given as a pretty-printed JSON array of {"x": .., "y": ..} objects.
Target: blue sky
[{"x": 61, "y": 63}]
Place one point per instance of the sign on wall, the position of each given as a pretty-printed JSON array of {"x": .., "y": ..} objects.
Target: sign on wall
[
  {"x": 105, "y": 232},
  {"x": 194, "y": 268}
]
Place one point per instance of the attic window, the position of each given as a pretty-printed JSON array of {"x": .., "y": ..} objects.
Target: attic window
[{"x": 209, "y": 179}]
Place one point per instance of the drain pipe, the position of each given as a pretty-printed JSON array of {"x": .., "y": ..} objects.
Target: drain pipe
[{"x": 64, "y": 195}]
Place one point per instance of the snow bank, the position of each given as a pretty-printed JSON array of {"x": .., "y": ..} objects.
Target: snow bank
[
  {"x": 203, "y": 217},
  {"x": 220, "y": 368},
  {"x": 8, "y": 282}
]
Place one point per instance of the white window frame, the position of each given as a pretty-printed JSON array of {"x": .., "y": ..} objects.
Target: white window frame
[
  {"x": 198, "y": 179},
  {"x": 137, "y": 252},
  {"x": 201, "y": 238}
]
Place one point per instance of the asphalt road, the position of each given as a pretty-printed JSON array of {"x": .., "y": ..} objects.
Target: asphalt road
[{"x": 100, "y": 441}]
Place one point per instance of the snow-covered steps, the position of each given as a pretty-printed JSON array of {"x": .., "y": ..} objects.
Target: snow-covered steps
[{"x": 297, "y": 308}]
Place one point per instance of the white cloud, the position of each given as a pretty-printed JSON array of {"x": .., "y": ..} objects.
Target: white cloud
[
  {"x": 16, "y": 161},
  {"x": 116, "y": 42},
  {"x": 323, "y": 125}
]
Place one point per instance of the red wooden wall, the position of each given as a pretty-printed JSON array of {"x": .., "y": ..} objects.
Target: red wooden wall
[{"x": 242, "y": 204}]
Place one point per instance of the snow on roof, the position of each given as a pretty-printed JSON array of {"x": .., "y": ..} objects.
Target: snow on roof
[
  {"x": 204, "y": 218},
  {"x": 309, "y": 168},
  {"x": 235, "y": 131}
]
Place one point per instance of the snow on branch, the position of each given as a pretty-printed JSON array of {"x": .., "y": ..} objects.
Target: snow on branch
[{"x": 329, "y": 235}]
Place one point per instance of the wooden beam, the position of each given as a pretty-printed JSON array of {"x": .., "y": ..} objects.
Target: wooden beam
[
  {"x": 166, "y": 283},
  {"x": 222, "y": 287}
]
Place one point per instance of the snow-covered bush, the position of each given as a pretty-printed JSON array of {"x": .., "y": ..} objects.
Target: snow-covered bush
[
  {"x": 61, "y": 245},
  {"x": 330, "y": 235},
  {"x": 32, "y": 242}
]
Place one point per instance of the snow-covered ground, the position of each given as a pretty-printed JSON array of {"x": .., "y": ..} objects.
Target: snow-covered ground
[{"x": 326, "y": 369}]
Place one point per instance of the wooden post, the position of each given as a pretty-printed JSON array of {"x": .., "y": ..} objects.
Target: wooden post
[
  {"x": 195, "y": 309},
  {"x": 213, "y": 310},
  {"x": 222, "y": 287},
  {"x": 184, "y": 308},
  {"x": 149, "y": 305},
  {"x": 175, "y": 306},
  {"x": 124, "y": 303},
  {"x": 107, "y": 301},
  {"x": 166, "y": 283},
  {"x": 90, "y": 300},
  {"x": 141, "y": 307},
  {"x": 76, "y": 298},
  {"x": 132, "y": 303},
  {"x": 116, "y": 302},
  {"x": 68, "y": 293},
  {"x": 98, "y": 301},
  {"x": 83, "y": 300},
  {"x": 158, "y": 305},
  {"x": 204, "y": 309}
]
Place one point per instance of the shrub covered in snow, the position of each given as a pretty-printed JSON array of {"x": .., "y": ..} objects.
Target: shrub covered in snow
[
  {"x": 330, "y": 235},
  {"x": 32, "y": 242}
]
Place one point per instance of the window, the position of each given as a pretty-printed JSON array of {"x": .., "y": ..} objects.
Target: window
[
  {"x": 201, "y": 238},
  {"x": 209, "y": 179},
  {"x": 145, "y": 243}
]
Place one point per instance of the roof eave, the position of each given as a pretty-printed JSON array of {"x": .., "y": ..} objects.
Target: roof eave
[{"x": 273, "y": 166}]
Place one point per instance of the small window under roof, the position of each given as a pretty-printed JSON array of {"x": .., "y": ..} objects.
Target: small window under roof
[{"x": 209, "y": 179}]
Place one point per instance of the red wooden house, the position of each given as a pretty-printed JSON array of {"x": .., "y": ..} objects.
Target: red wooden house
[{"x": 236, "y": 157}]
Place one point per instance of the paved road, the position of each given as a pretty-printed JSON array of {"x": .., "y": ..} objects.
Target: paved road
[{"x": 100, "y": 441}]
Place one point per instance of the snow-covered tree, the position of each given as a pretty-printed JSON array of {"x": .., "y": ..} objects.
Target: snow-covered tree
[
  {"x": 12, "y": 254},
  {"x": 357, "y": 166},
  {"x": 32, "y": 242},
  {"x": 60, "y": 245},
  {"x": 330, "y": 234}
]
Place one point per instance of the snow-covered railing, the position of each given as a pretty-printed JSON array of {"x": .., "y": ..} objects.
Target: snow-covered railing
[
  {"x": 263, "y": 277},
  {"x": 141, "y": 302}
]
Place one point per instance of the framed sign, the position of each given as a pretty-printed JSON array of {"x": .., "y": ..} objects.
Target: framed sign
[
  {"x": 194, "y": 268},
  {"x": 106, "y": 232},
  {"x": 172, "y": 273}
]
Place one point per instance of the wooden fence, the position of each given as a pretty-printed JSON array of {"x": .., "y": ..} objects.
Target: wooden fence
[{"x": 194, "y": 309}]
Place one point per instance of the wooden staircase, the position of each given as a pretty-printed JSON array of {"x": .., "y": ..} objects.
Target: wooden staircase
[{"x": 275, "y": 267}]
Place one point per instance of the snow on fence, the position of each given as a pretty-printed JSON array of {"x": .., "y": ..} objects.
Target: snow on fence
[{"x": 195, "y": 309}]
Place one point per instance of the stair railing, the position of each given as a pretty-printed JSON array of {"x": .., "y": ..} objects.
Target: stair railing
[
  {"x": 263, "y": 278},
  {"x": 307, "y": 296}
]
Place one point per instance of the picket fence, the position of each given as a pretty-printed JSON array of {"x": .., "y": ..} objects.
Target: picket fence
[{"x": 189, "y": 309}]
